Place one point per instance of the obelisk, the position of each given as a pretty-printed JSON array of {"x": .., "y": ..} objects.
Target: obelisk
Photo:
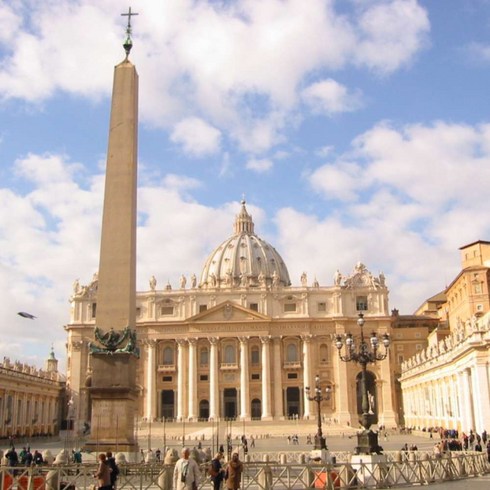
[{"x": 113, "y": 380}]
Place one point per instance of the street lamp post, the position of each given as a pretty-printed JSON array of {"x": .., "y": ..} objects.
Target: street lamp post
[
  {"x": 364, "y": 354},
  {"x": 318, "y": 398}
]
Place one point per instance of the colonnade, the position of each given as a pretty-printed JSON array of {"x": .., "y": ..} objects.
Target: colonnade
[{"x": 453, "y": 399}]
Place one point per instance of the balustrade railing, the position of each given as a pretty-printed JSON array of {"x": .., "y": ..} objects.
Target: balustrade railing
[{"x": 397, "y": 471}]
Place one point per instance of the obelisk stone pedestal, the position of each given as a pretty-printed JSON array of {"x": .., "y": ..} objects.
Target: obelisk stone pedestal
[{"x": 113, "y": 403}]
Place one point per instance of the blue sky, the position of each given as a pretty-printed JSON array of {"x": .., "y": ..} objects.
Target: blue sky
[{"x": 356, "y": 129}]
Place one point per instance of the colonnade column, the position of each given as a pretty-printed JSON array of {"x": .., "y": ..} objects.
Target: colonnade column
[
  {"x": 192, "y": 415},
  {"x": 150, "y": 380},
  {"x": 469, "y": 422},
  {"x": 481, "y": 397},
  {"x": 278, "y": 395},
  {"x": 306, "y": 373},
  {"x": 266, "y": 370},
  {"x": 244, "y": 382},
  {"x": 180, "y": 378},
  {"x": 213, "y": 379}
]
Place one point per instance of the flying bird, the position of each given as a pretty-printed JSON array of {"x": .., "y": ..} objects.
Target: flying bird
[{"x": 26, "y": 315}]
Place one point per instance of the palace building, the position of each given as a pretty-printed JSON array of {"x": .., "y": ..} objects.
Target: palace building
[
  {"x": 447, "y": 383},
  {"x": 32, "y": 400}
]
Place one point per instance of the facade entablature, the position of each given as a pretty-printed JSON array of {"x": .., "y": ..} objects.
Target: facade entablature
[{"x": 470, "y": 336}]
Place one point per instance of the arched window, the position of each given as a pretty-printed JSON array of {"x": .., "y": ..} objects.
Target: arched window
[
  {"x": 255, "y": 355},
  {"x": 292, "y": 353},
  {"x": 204, "y": 356},
  {"x": 323, "y": 353},
  {"x": 168, "y": 356},
  {"x": 230, "y": 355}
]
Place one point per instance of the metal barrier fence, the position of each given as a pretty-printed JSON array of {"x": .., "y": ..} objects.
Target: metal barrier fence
[{"x": 262, "y": 475}]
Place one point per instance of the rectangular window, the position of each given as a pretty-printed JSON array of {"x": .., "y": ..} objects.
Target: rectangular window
[
  {"x": 361, "y": 303},
  {"x": 256, "y": 376},
  {"x": 202, "y": 308},
  {"x": 322, "y": 307},
  {"x": 289, "y": 307},
  {"x": 94, "y": 309},
  {"x": 138, "y": 311},
  {"x": 167, "y": 310},
  {"x": 292, "y": 375},
  {"x": 418, "y": 346},
  {"x": 417, "y": 335},
  {"x": 399, "y": 347},
  {"x": 203, "y": 377},
  {"x": 254, "y": 306},
  {"x": 167, "y": 379},
  {"x": 400, "y": 358}
]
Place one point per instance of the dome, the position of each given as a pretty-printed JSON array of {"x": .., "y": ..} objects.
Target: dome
[{"x": 244, "y": 260}]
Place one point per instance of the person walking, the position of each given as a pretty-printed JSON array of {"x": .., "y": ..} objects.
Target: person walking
[
  {"x": 234, "y": 472},
  {"x": 103, "y": 473},
  {"x": 186, "y": 472},
  {"x": 216, "y": 471},
  {"x": 111, "y": 461}
]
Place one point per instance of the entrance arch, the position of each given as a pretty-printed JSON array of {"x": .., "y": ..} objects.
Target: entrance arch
[
  {"x": 292, "y": 401},
  {"x": 230, "y": 399},
  {"x": 168, "y": 404},
  {"x": 256, "y": 409},
  {"x": 204, "y": 410}
]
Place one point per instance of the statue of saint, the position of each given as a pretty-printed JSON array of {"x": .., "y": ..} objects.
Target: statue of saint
[
  {"x": 304, "y": 279},
  {"x": 261, "y": 279},
  {"x": 275, "y": 278},
  {"x": 193, "y": 281},
  {"x": 337, "y": 278},
  {"x": 183, "y": 281},
  {"x": 153, "y": 283}
]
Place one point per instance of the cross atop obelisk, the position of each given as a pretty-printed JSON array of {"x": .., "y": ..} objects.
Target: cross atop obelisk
[{"x": 128, "y": 43}]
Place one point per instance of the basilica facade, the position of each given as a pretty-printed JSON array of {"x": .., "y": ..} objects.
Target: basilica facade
[{"x": 241, "y": 342}]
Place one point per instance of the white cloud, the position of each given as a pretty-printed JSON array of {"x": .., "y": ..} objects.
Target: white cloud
[
  {"x": 479, "y": 51},
  {"x": 259, "y": 165},
  {"x": 226, "y": 77},
  {"x": 330, "y": 97},
  {"x": 391, "y": 34},
  {"x": 197, "y": 137},
  {"x": 338, "y": 181}
]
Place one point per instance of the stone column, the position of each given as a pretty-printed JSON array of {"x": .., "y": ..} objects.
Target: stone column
[
  {"x": 344, "y": 413},
  {"x": 481, "y": 395},
  {"x": 266, "y": 382},
  {"x": 468, "y": 422},
  {"x": 213, "y": 379},
  {"x": 192, "y": 413},
  {"x": 278, "y": 394},
  {"x": 306, "y": 373},
  {"x": 244, "y": 382},
  {"x": 180, "y": 378},
  {"x": 387, "y": 383},
  {"x": 150, "y": 379}
]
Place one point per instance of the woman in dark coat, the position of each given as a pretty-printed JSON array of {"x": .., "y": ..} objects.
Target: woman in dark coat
[
  {"x": 234, "y": 470},
  {"x": 216, "y": 471}
]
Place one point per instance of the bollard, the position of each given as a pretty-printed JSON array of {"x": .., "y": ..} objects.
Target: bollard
[
  {"x": 283, "y": 459},
  {"x": 52, "y": 479},
  {"x": 265, "y": 477}
]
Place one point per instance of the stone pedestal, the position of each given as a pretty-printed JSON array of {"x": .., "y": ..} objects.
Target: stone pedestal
[
  {"x": 371, "y": 469},
  {"x": 113, "y": 394}
]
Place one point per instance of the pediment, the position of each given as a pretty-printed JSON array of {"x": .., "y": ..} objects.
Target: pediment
[{"x": 229, "y": 312}]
